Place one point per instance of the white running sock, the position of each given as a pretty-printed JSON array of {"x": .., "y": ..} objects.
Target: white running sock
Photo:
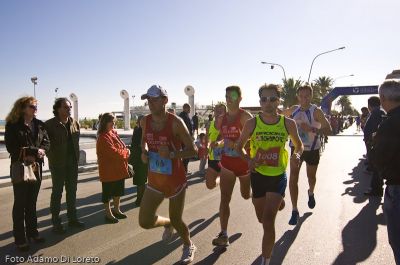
[{"x": 265, "y": 261}]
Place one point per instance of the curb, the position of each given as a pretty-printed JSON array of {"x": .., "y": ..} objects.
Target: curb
[{"x": 46, "y": 174}]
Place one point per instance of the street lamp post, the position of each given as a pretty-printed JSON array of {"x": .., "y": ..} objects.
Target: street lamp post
[
  {"x": 133, "y": 106},
  {"x": 276, "y": 64},
  {"x": 342, "y": 76},
  {"x": 133, "y": 98},
  {"x": 34, "y": 81},
  {"x": 309, "y": 75}
]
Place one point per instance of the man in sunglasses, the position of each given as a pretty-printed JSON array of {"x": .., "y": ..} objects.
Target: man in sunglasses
[
  {"x": 311, "y": 122},
  {"x": 162, "y": 139},
  {"x": 63, "y": 156},
  {"x": 267, "y": 160},
  {"x": 233, "y": 165}
]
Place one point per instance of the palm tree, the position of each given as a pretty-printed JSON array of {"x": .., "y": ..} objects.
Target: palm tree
[
  {"x": 289, "y": 90},
  {"x": 344, "y": 103},
  {"x": 321, "y": 87}
]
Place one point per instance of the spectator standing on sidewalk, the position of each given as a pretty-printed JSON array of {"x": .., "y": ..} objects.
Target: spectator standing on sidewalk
[
  {"x": 195, "y": 122},
  {"x": 23, "y": 130},
  {"x": 186, "y": 119},
  {"x": 385, "y": 156},
  {"x": 135, "y": 160},
  {"x": 64, "y": 133},
  {"x": 112, "y": 156},
  {"x": 364, "y": 116},
  {"x": 371, "y": 126}
]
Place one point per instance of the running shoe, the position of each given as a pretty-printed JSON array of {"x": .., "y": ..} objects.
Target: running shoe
[
  {"x": 221, "y": 240},
  {"x": 168, "y": 234},
  {"x": 295, "y": 217},
  {"x": 188, "y": 253},
  {"x": 262, "y": 261}
]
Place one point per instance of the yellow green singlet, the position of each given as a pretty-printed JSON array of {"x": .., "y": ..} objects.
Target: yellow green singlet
[
  {"x": 213, "y": 133},
  {"x": 267, "y": 146}
]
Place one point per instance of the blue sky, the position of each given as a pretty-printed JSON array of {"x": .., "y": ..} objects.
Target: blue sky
[{"x": 96, "y": 48}]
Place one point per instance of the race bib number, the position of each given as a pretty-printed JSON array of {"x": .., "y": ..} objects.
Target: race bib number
[
  {"x": 230, "y": 152},
  {"x": 268, "y": 157},
  {"x": 217, "y": 152},
  {"x": 303, "y": 136},
  {"x": 160, "y": 165}
]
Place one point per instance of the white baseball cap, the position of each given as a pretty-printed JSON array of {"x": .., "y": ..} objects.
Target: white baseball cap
[{"x": 155, "y": 91}]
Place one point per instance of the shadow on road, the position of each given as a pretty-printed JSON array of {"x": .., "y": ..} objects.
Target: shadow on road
[
  {"x": 84, "y": 180},
  {"x": 90, "y": 211},
  {"x": 359, "y": 235},
  {"x": 217, "y": 251},
  {"x": 360, "y": 179},
  {"x": 159, "y": 250},
  {"x": 283, "y": 245}
]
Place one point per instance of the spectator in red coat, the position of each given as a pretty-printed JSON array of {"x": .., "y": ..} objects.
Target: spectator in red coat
[{"x": 112, "y": 156}]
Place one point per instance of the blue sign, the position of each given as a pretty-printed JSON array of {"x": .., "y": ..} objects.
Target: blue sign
[{"x": 345, "y": 91}]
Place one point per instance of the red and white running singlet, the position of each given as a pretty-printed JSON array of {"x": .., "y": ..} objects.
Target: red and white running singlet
[
  {"x": 165, "y": 175},
  {"x": 231, "y": 159}
]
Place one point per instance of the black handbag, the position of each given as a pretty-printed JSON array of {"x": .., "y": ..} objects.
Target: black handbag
[{"x": 23, "y": 172}]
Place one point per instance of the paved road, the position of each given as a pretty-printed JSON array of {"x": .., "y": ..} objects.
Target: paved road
[{"x": 344, "y": 228}]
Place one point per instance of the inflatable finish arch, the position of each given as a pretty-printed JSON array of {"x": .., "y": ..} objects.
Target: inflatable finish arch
[{"x": 326, "y": 102}]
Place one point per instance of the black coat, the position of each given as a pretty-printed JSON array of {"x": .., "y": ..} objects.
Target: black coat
[
  {"x": 385, "y": 152},
  {"x": 187, "y": 121},
  {"x": 18, "y": 135}
]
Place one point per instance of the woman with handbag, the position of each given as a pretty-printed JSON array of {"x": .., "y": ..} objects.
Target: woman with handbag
[
  {"x": 112, "y": 157},
  {"x": 27, "y": 141}
]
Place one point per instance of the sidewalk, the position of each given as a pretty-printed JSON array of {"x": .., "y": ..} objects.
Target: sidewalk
[
  {"x": 91, "y": 164},
  {"x": 89, "y": 148}
]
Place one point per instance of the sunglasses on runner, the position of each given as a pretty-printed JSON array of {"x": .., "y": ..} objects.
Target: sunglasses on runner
[
  {"x": 34, "y": 107},
  {"x": 270, "y": 99}
]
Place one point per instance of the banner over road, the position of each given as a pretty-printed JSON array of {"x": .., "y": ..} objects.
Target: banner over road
[{"x": 326, "y": 102}]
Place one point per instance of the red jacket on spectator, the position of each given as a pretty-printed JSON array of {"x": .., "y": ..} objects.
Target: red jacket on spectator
[{"x": 112, "y": 157}]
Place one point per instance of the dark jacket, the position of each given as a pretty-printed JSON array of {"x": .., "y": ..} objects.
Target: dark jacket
[
  {"x": 187, "y": 121},
  {"x": 372, "y": 123},
  {"x": 136, "y": 147},
  {"x": 18, "y": 135},
  {"x": 195, "y": 120},
  {"x": 385, "y": 152},
  {"x": 58, "y": 135}
]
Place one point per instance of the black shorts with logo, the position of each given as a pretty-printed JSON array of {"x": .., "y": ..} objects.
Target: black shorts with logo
[
  {"x": 214, "y": 164},
  {"x": 310, "y": 157},
  {"x": 261, "y": 184}
]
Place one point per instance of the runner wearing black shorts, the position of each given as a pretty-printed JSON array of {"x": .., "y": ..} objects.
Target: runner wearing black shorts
[{"x": 267, "y": 160}]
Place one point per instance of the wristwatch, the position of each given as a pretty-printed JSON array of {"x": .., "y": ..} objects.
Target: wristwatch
[{"x": 298, "y": 156}]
